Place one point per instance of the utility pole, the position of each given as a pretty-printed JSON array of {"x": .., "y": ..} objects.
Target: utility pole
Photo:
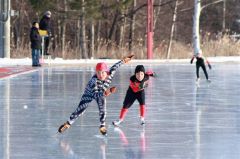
[
  {"x": 149, "y": 29},
  {"x": 5, "y": 28}
]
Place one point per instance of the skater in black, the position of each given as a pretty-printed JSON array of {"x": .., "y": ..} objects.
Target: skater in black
[
  {"x": 97, "y": 89},
  {"x": 138, "y": 82},
  {"x": 201, "y": 63}
]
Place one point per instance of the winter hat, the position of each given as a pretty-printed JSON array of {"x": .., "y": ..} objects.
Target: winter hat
[
  {"x": 34, "y": 23},
  {"x": 101, "y": 66},
  {"x": 139, "y": 68},
  {"x": 48, "y": 13}
]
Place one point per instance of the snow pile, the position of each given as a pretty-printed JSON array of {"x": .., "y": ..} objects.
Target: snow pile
[{"x": 60, "y": 61}]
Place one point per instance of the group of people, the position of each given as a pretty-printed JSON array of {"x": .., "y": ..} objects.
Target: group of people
[
  {"x": 36, "y": 39},
  {"x": 98, "y": 88}
]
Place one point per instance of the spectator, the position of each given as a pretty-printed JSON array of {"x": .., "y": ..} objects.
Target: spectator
[
  {"x": 45, "y": 24},
  {"x": 36, "y": 41}
]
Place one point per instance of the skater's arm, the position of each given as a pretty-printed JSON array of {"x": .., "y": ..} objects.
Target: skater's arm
[
  {"x": 208, "y": 63},
  {"x": 114, "y": 68},
  {"x": 192, "y": 59},
  {"x": 151, "y": 74}
]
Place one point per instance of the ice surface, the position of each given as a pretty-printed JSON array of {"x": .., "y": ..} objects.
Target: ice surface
[{"x": 182, "y": 121}]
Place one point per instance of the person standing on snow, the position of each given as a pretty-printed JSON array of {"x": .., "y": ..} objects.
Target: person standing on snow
[
  {"x": 36, "y": 41},
  {"x": 45, "y": 24}
]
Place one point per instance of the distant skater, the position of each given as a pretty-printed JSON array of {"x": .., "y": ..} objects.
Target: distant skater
[
  {"x": 201, "y": 63},
  {"x": 138, "y": 82},
  {"x": 97, "y": 89}
]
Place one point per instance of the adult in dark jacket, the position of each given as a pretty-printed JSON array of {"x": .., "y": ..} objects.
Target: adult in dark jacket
[
  {"x": 45, "y": 24},
  {"x": 36, "y": 41}
]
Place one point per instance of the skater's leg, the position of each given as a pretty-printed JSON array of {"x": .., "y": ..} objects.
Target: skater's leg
[
  {"x": 205, "y": 71},
  {"x": 197, "y": 70},
  {"x": 128, "y": 101},
  {"x": 141, "y": 100},
  {"x": 85, "y": 100},
  {"x": 101, "y": 101},
  {"x": 142, "y": 111},
  {"x": 123, "y": 113},
  {"x": 102, "y": 109},
  {"x": 80, "y": 109}
]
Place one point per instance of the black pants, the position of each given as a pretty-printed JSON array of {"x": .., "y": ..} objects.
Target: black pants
[
  {"x": 132, "y": 96},
  {"x": 46, "y": 45},
  {"x": 201, "y": 64}
]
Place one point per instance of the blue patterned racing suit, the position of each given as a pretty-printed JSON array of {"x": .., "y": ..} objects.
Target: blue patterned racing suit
[{"x": 95, "y": 90}]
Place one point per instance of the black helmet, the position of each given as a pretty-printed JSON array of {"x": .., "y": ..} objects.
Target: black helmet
[{"x": 139, "y": 68}]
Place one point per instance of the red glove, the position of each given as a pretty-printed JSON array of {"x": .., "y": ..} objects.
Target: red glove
[{"x": 110, "y": 91}]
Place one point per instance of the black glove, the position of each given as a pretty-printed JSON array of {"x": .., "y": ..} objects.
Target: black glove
[
  {"x": 191, "y": 61},
  {"x": 142, "y": 85},
  {"x": 154, "y": 74},
  {"x": 209, "y": 66}
]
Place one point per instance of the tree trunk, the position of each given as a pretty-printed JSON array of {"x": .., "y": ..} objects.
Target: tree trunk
[
  {"x": 119, "y": 36},
  {"x": 109, "y": 43},
  {"x": 196, "y": 17},
  {"x": 83, "y": 33},
  {"x": 224, "y": 16},
  {"x": 172, "y": 29},
  {"x": 156, "y": 15},
  {"x": 132, "y": 26},
  {"x": 98, "y": 38},
  {"x": 63, "y": 30},
  {"x": 92, "y": 39}
]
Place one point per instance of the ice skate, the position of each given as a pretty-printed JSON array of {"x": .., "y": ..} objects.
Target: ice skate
[
  {"x": 64, "y": 127},
  {"x": 103, "y": 130},
  {"x": 117, "y": 122},
  {"x": 209, "y": 81},
  {"x": 142, "y": 121},
  {"x": 198, "y": 82}
]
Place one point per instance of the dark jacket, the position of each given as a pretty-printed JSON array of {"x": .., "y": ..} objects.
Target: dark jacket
[
  {"x": 35, "y": 38},
  {"x": 45, "y": 24}
]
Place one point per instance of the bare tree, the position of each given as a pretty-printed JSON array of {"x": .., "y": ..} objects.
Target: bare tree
[
  {"x": 172, "y": 29},
  {"x": 196, "y": 36},
  {"x": 83, "y": 32},
  {"x": 196, "y": 21},
  {"x": 132, "y": 26}
]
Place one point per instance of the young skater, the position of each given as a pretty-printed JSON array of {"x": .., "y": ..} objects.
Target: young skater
[
  {"x": 138, "y": 82},
  {"x": 201, "y": 63},
  {"x": 97, "y": 89}
]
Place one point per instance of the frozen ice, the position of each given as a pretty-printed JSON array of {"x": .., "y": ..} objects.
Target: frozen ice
[{"x": 183, "y": 121}]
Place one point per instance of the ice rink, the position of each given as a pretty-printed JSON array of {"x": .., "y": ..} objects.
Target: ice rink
[{"x": 182, "y": 121}]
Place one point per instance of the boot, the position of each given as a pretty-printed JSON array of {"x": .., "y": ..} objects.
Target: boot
[{"x": 64, "y": 127}]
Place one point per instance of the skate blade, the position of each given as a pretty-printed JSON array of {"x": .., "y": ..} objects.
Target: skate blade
[
  {"x": 116, "y": 125},
  {"x": 56, "y": 134}
]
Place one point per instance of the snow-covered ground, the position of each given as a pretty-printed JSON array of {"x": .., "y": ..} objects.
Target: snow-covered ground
[{"x": 28, "y": 61}]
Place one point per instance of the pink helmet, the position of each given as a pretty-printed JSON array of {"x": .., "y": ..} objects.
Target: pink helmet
[{"x": 101, "y": 66}]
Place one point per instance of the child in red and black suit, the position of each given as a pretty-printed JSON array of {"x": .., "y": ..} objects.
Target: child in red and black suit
[{"x": 138, "y": 82}]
